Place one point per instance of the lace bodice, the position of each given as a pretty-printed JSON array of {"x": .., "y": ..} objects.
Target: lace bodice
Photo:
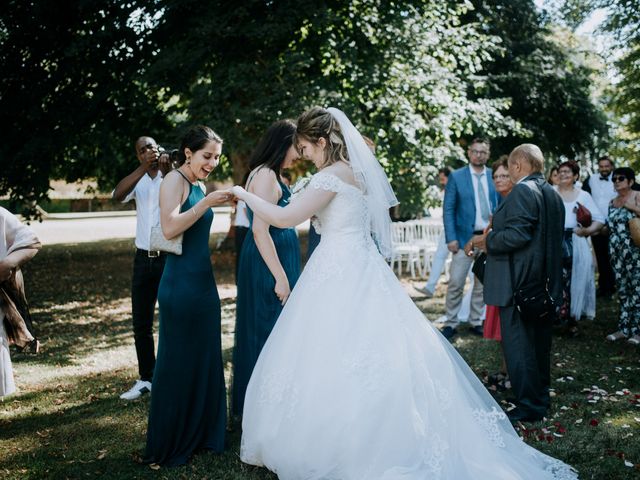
[{"x": 346, "y": 214}]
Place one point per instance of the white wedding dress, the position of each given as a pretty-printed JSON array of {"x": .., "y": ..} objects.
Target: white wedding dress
[{"x": 355, "y": 384}]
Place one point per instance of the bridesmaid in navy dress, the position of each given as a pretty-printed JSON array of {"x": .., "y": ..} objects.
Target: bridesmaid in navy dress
[
  {"x": 188, "y": 403},
  {"x": 270, "y": 258}
]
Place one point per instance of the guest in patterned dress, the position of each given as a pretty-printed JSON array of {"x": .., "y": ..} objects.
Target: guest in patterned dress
[
  {"x": 270, "y": 259},
  {"x": 625, "y": 255}
]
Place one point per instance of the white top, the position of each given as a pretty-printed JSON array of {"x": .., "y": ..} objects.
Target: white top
[
  {"x": 602, "y": 192},
  {"x": 480, "y": 223},
  {"x": 570, "y": 219},
  {"x": 242, "y": 219},
  {"x": 146, "y": 193}
]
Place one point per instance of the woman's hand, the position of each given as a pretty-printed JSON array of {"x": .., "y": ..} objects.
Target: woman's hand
[
  {"x": 581, "y": 231},
  {"x": 239, "y": 192},
  {"x": 282, "y": 289},
  {"x": 6, "y": 270},
  {"x": 219, "y": 197}
]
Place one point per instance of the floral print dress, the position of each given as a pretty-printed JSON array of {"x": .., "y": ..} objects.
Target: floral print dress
[{"x": 625, "y": 260}]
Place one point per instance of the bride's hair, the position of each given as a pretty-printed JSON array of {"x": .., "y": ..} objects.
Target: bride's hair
[{"x": 317, "y": 123}]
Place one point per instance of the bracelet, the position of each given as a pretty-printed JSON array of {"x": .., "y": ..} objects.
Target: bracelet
[{"x": 193, "y": 210}]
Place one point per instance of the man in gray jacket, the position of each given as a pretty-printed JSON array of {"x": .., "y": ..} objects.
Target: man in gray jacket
[{"x": 527, "y": 230}]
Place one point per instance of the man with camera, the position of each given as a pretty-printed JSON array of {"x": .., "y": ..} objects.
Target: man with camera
[{"x": 143, "y": 186}]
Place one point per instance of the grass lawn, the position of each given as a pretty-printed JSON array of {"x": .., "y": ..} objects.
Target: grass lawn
[{"x": 68, "y": 422}]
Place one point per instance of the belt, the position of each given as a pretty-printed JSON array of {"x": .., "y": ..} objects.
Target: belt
[
  {"x": 478, "y": 232},
  {"x": 150, "y": 253}
]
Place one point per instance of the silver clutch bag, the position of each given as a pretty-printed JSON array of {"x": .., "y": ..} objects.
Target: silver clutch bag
[{"x": 159, "y": 242}]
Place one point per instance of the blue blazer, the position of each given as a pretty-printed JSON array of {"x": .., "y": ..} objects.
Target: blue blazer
[{"x": 459, "y": 207}]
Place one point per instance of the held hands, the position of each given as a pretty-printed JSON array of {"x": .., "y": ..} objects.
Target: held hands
[
  {"x": 282, "y": 289},
  {"x": 219, "y": 197},
  {"x": 238, "y": 191}
]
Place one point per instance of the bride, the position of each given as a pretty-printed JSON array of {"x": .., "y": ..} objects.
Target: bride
[{"x": 353, "y": 382}]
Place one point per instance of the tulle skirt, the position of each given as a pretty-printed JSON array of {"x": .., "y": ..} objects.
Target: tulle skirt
[{"x": 355, "y": 383}]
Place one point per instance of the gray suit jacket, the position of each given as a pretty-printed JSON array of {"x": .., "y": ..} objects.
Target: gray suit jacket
[{"x": 518, "y": 229}]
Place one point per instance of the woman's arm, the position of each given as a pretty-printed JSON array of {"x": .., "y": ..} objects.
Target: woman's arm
[
  {"x": 12, "y": 261},
  {"x": 310, "y": 201},
  {"x": 173, "y": 192},
  {"x": 633, "y": 203},
  {"x": 265, "y": 185}
]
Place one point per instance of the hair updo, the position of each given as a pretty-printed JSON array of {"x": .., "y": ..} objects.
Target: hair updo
[
  {"x": 317, "y": 123},
  {"x": 195, "y": 139}
]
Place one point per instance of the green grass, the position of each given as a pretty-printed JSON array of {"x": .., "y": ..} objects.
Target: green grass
[{"x": 68, "y": 422}]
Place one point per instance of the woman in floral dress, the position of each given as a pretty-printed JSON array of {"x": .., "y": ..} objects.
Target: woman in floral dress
[{"x": 625, "y": 255}]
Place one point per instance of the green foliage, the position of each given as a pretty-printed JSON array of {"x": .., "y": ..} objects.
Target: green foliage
[
  {"x": 549, "y": 86},
  {"x": 88, "y": 77},
  {"x": 72, "y": 93}
]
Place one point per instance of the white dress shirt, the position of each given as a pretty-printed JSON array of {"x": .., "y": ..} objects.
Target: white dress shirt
[
  {"x": 146, "y": 193},
  {"x": 602, "y": 192},
  {"x": 480, "y": 224}
]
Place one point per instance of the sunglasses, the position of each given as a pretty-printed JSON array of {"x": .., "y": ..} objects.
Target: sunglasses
[{"x": 618, "y": 178}]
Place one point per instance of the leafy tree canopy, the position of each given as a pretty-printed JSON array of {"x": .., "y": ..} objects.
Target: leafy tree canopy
[{"x": 85, "y": 78}]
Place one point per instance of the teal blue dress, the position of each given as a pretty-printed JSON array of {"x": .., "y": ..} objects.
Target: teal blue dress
[
  {"x": 188, "y": 399},
  {"x": 258, "y": 306}
]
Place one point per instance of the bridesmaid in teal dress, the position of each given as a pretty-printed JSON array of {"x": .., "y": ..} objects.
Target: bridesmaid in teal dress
[
  {"x": 188, "y": 399},
  {"x": 269, "y": 260}
]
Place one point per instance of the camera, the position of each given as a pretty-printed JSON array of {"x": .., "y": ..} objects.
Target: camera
[{"x": 172, "y": 154}]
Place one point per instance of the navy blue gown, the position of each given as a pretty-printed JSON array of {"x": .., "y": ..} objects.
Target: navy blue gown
[
  {"x": 188, "y": 399},
  {"x": 258, "y": 306}
]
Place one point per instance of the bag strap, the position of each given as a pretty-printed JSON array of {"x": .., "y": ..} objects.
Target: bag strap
[{"x": 544, "y": 239}]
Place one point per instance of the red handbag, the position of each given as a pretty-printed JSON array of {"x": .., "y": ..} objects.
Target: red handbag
[{"x": 583, "y": 215}]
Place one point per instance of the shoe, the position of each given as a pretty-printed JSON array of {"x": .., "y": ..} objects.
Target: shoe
[
  {"x": 424, "y": 291},
  {"x": 448, "y": 332},
  {"x": 635, "y": 340},
  {"x": 477, "y": 330},
  {"x": 614, "y": 337},
  {"x": 140, "y": 388},
  {"x": 519, "y": 415}
]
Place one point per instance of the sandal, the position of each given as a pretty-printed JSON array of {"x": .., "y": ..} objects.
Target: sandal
[
  {"x": 635, "y": 340},
  {"x": 614, "y": 337},
  {"x": 573, "y": 332}
]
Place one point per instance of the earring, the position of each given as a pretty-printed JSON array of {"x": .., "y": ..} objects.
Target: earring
[{"x": 188, "y": 160}]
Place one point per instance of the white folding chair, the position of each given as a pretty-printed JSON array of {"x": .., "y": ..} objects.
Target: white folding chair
[{"x": 404, "y": 248}]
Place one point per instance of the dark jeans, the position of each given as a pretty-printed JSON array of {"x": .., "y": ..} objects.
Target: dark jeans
[
  {"x": 527, "y": 351},
  {"x": 147, "y": 272},
  {"x": 606, "y": 277}
]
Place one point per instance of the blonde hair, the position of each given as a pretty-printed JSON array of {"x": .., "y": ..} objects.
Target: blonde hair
[
  {"x": 317, "y": 123},
  {"x": 529, "y": 153}
]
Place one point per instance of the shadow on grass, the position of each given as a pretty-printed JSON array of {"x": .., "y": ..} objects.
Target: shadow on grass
[{"x": 85, "y": 429}]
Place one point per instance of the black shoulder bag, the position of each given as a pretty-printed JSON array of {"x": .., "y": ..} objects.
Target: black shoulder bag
[{"x": 534, "y": 303}]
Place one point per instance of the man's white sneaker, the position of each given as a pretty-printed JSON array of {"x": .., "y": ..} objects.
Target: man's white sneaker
[{"x": 140, "y": 388}]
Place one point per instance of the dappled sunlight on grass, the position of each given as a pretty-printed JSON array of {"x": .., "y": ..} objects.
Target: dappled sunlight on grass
[{"x": 67, "y": 420}]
